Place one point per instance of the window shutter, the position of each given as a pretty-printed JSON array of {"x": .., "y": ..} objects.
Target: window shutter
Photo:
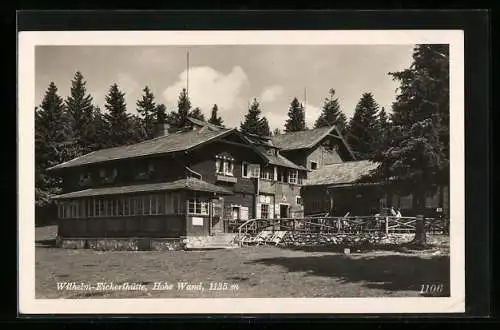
[
  {"x": 228, "y": 212},
  {"x": 258, "y": 215},
  {"x": 244, "y": 213},
  {"x": 271, "y": 211}
]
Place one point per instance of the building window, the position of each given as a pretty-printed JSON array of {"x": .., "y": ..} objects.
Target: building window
[
  {"x": 254, "y": 170},
  {"x": 197, "y": 206},
  {"x": 264, "y": 211},
  {"x": 314, "y": 165},
  {"x": 216, "y": 208},
  {"x": 282, "y": 177},
  {"x": 298, "y": 200},
  {"x": 137, "y": 206},
  {"x": 126, "y": 206},
  {"x": 153, "y": 204},
  {"x": 118, "y": 207},
  {"x": 82, "y": 209},
  {"x": 176, "y": 204},
  {"x": 90, "y": 207},
  {"x": 145, "y": 171},
  {"x": 85, "y": 179},
  {"x": 224, "y": 165},
  {"x": 300, "y": 179},
  {"x": 267, "y": 173},
  {"x": 292, "y": 176},
  {"x": 244, "y": 170},
  {"x": 101, "y": 208}
]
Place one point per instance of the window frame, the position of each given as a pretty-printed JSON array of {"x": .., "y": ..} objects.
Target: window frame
[
  {"x": 267, "y": 173},
  {"x": 198, "y": 206},
  {"x": 293, "y": 174},
  {"x": 224, "y": 165},
  {"x": 268, "y": 210},
  {"x": 245, "y": 168}
]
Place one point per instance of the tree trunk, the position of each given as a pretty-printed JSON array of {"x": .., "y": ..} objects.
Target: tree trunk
[{"x": 420, "y": 238}]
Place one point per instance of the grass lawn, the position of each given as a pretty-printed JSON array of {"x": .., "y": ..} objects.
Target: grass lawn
[{"x": 259, "y": 272}]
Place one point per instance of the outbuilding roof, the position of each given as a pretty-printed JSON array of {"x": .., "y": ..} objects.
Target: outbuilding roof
[
  {"x": 174, "y": 142},
  {"x": 192, "y": 184},
  {"x": 309, "y": 138},
  {"x": 341, "y": 173}
]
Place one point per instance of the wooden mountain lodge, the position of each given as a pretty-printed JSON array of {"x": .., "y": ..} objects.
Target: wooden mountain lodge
[{"x": 203, "y": 181}]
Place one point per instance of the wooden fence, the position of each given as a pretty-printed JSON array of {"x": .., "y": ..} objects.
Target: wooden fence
[{"x": 342, "y": 225}]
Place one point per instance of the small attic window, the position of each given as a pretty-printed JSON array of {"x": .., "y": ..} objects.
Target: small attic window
[
  {"x": 85, "y": 179},
  {"x": 224, "y": 164},
  {"x": 314, "y": 165}
]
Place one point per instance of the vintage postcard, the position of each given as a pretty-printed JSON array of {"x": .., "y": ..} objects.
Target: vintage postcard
[{"x": 241, "y": 172}]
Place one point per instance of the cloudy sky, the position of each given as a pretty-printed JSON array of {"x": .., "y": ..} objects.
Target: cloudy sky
[{"x": 230, "y": 76}]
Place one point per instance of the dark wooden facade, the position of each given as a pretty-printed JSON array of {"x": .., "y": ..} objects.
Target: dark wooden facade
[
  {"x": 170, "y": 213},
  {"x": 369, "y": 199}
]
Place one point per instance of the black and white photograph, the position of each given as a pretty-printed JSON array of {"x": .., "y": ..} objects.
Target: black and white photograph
[{"x": 165, "y": 172}]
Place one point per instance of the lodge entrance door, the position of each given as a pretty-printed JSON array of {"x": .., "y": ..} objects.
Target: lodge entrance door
[
  {"x": 217, "y": 225},
  {"x": 284, "y": 213}
]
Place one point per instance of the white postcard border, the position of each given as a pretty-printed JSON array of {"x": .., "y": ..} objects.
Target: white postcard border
[{"x": 26, "y": 223}]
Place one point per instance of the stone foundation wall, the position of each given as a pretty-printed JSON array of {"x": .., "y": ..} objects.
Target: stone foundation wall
[
  {"x": 316, "y": 239},
  {"x": 125, "y": 244},
  {"x": 204, "y": 241}
]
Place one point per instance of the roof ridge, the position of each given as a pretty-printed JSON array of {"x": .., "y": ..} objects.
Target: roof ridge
[{"x": 305, "y": 130}]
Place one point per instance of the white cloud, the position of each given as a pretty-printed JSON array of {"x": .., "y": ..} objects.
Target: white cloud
[
  {"x": 127, "y": 83},
  {"x": 312, "y": 113},
  {"x": 150, "y": 56},
  {"x": 270, "y": 93},
  {"x": 208, "y": 86},
  {"x": 277, "y": 119}
]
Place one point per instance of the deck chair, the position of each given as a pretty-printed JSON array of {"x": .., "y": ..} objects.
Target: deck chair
[
  {"x": 344, "y": 223},
  {"x": 260, "y": 238},
  {"x": 277, "y": 237}
]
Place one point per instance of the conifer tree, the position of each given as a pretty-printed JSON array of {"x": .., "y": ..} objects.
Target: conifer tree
[
  {"x": 331, "y": 113},
  {"x": 52, "y": 129},
  {"x": 364, "y": 131},
  {"x": 264, "y": 128},
  {"x": 197, "y": 114},
  {"x": 118, "y": 120},
  {"x": 80, "y": 110},
  {"x": 383, "y": 128},
  {"x": 252, "y": 123},
  {"x": 100, "y": 130},
  {"x": 296, "y": 117},
  {"x": 214, "y": 118},
  {"x": 276, "y": 132},
  {"x": 179, "y": 119},
  {"x": 417, "y": 155},
  {"x": 146, "y": 107},
  {"x": 160, "y": 113}
]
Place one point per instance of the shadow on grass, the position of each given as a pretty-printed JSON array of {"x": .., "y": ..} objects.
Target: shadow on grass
[
  {"x": 387, "y": 272},
  {"x": 46, "y": 243},
  {"x": 402, "y": 247}
]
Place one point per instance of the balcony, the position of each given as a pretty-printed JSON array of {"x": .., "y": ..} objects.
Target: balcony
[{"x": 226, "y": 178}]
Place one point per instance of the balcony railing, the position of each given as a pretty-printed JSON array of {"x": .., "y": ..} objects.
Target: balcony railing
[{"x": 226, "y": 178}]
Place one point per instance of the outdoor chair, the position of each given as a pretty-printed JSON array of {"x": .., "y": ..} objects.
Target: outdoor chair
[
  {"x": 277, "y": 237},
  {"x": 260, "y": 238},
  {"x": 345, "y": 223}
]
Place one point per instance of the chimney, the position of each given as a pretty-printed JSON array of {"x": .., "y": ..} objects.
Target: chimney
[{"x": 162, "y": 129}]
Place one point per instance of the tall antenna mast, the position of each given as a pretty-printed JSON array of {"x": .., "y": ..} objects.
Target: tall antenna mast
[
  {"x": 187, "y": 74},
  {"x": 305, "y": 98}
]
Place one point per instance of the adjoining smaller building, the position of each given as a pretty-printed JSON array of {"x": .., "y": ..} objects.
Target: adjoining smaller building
[{"x": 341, "y": 188}]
